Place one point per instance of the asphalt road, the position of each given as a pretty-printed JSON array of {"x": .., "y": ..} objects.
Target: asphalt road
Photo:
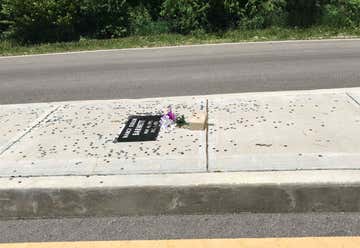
[
  {"x": 182, "y": 227},
  {"x": 177, "y": 71}
]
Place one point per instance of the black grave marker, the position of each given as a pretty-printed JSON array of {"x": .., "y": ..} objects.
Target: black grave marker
[{"x": 140, "y": 128}]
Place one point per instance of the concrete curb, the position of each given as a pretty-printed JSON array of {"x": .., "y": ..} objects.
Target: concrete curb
[{"x": 204, "y": 193}]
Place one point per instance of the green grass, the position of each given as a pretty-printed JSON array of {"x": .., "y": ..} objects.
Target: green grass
[{"x": 271, "y": 34}]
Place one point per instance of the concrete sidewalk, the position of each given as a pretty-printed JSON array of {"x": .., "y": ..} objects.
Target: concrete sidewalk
[{"x": 263, "y": 152}]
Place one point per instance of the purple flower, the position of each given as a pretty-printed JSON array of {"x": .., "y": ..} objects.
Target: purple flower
[{"x": 171, "y": 115}]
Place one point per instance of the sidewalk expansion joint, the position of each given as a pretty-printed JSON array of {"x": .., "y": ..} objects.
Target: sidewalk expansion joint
[
  {"x": 37, "y": 122},
  {"x": 207, "y": 136},
  {"x": 352, "y": 98}
]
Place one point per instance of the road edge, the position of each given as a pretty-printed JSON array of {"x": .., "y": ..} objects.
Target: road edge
[{"x": 182, "y": 46}]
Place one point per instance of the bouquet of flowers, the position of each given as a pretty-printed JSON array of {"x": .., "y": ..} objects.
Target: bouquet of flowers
[{"x": 170, "y": 120}]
